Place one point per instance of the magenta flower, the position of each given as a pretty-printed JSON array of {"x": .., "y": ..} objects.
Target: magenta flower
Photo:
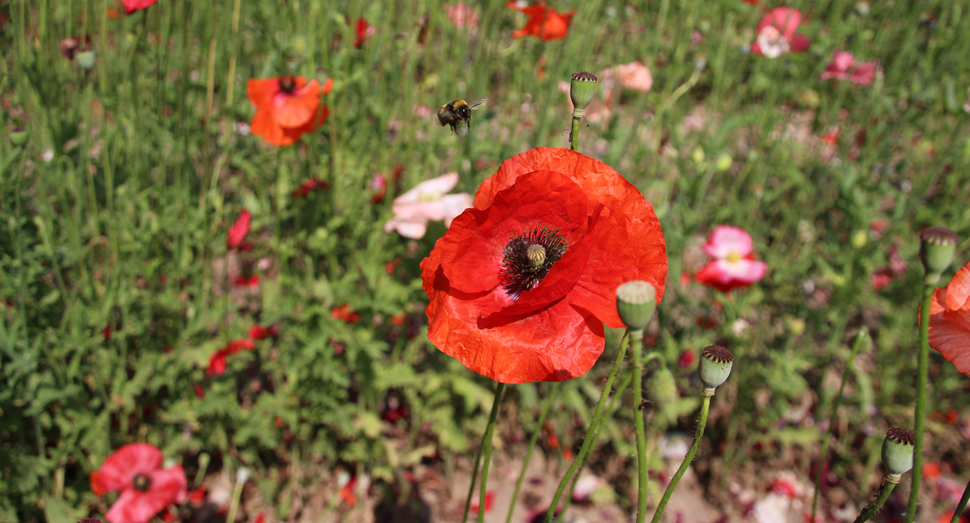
[
  {"x": 777, "y": 33},
  {"x": 733, "y": 265},
  {"x": 844, "y": 67},
  {"x": 462, "y": 15},
  {"x": 427, "y": 201},
  {"x": 146, "y": 489}
]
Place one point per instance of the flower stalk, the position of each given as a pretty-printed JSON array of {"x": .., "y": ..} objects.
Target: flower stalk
[
  {"x": 702, "y": 422},
  {"x": 485, "y": 451},
  {"x": 920, "y": 421},
  {"x": 636, "y": 341},
  {"x": 962, "y": 505},
  {"x": 889, "y": 482},
  {"x": 532, "y": 443},
  {"x": 591, "y": 431}
]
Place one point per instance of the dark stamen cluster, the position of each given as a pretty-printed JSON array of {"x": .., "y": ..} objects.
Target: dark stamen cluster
[
  {"x": 902, "y": 436},
  {"x": 521, "y": 274},
  {"x": 141, "y": 482},
  {"x": 287, "y": 84}
]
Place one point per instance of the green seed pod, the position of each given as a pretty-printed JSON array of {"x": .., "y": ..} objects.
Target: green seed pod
[
  {"x": 662, "y": 389},
  {"x": 936, "y": 251},
  {"x": 635, "y": 302},
  {"x": 582, "y": 88},
  {"x": 897, "y": 451},
  {"x": 715, "y": 367},
  {"x": 18, "y": 136}
]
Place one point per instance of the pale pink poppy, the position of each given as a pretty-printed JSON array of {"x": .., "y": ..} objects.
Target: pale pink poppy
[
  {"x": 462, "y": 15},
  {"x": 734, "y": 264},
  {"x": 634, "y": 75},
  {"x": 427, "y": 201},
  {"x": 777, "y": 33},
  {"x": 844, "y": 67}
]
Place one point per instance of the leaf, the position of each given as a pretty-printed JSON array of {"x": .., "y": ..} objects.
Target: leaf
[{"x": 58, "y": 511}]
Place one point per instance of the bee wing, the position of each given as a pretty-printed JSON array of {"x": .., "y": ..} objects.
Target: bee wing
[{"x": 477, "y": 103}]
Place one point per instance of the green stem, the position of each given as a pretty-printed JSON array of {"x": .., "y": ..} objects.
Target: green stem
[
  {"x": 590, "y": 438},
  {"x": 485, "y": 453},
  {"x": 574, "y": 132},
  {"x": 923, "y": 371},
  {"x": 705, "y": 407},
  {"x": 636, "y": 341},
  {"x": 532, "y": 443},
  {"x": 487, "y": 445},
  {"x": 888, "y": 484},
  {"x": 835, "y": 410},
  {"x": 962, "y": 505}
]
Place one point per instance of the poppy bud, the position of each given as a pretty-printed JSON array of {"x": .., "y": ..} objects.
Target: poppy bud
[
  {"x": 86, "y": 60},
  {"x": 582, "y": 88},
  {"x": 936, "y": 251},
  {"x": 18, "y": 136},
  {"x": 662, "y": 389},
  {"x": 897, "y": 451},
  {"x": 715, "y": 367},
  {"x": 242, "y": 475},
  {"x": 635, "y": 302}
]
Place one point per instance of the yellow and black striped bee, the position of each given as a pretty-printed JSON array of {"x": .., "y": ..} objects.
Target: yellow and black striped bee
[{"x": 457, "y": 111}]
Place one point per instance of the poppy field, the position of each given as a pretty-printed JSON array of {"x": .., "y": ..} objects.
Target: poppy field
[{"x": 439, "y": 261}]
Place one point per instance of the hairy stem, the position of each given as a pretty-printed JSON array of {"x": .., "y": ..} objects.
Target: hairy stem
[
  {"x": 484, "y": 452},
  {"x": 923, "y": 366},
  {"x": 698, "y": 434},
  {"x": 888, "y": 484},
  {"x": 590, "y": 431},
  {"x": 636, "y": 341}
]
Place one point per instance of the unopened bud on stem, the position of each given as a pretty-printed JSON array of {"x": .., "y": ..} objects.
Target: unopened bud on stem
[
  {"x": 936, "y": 251},
  {"x": 897, "y": 451},
  {"x": 581, "y": 91},
  {"x": 715, "y": 367},
  {"x": 635, "y": 303}
]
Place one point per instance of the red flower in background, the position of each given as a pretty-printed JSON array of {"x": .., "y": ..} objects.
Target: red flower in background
[
  {"x": 239, "y": 230},
  {"x": 344, "y": 314},
  {"x": 776, "y": 33},
  {"x": 145, "y": 488},
  {"x": 309, "y": 186},
  {"x": 521, "y": 283},
  {"x": 217, "y": 361},
  {"x": 257, "y": 332},
  {"x": 734, "y": 265},
  {"x": 544, "y": 22},
  {"x": 378, "y": 186},
  {"x": 247, "y": 281},
  {"x": 950, "y": 320},
  {"x": 843, "y": 66},
  {"x": 363, "y": 32},
  {"x": 136, "y": 5},
  {"x": 287, "y": 107},
  {"x": 489, "y": 501}
]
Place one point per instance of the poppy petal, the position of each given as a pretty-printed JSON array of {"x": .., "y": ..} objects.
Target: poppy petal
[
  {"x": 958, "y": 290},
  {"x": 122, "y": 465},
  {"x": 949, "y": 332}
]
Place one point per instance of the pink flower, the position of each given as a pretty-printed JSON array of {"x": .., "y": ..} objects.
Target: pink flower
[
  {"x": 145, "y": 489},
  {"x": 239, "y": 230},
  {"x": 427, "y": 201},
  {"x": 776, "y": 33},
  {"x": 634, "y": 75},
  {"x": 843, "y": 66},
  {"x": 378, "y": 187},
  {"x": 136, "y": 5},
  {"x": 462, "y": 15},
  {"x": 734, "y": 265}
]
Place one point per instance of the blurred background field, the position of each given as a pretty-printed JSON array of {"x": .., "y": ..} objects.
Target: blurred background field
[{"x": 116, "y": 285}]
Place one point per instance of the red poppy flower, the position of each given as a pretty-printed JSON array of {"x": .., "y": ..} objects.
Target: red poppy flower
[
  {"x": 521, "y": 283},
  {"x": 363, "y": 32},
  {"x": 136, "y": 5},
  {"x": 378, "y": 187},
  {"x": 258, "y": 332},
  {"x": 247, "y": 281},
  {"x": 776, "y": 33},
  {"x": 489, "y": 501},
  {"x": 950, "y": 320},
  {"x": 844, "y": 67},
  {"x": 344, "y": 314},
  {"x": 734, "y": 265},
  {"x": 309, "y": 186},
  {"x": 544, "y": 22},
  {"x": 145, "y": 488},
  {"x": 239, "y": 229},
  {"x": 217, "y": 362},
  {"x": 199, "y": 391},
  {"x": 287, "y": 107}
]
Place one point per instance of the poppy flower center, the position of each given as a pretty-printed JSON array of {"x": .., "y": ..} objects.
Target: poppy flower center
[
  {"x": 287, "y": 84},
  {"x": 141, "y": 482},
  {"x": 528, "y": 257},
  {"x": 733, "y": 257}
]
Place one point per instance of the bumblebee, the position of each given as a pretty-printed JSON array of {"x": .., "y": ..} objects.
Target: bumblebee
[{"x": 457, "y": 111}]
